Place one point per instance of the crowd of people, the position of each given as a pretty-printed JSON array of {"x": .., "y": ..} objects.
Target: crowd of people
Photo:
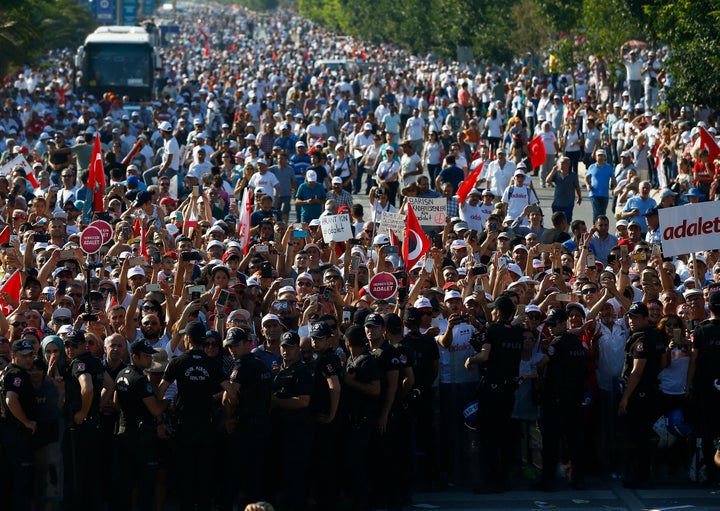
[{"x": 219, "y": 350}]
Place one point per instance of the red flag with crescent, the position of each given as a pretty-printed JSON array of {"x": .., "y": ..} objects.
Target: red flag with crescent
[
  {"x": 536, "y": 147},
  {"x": 416, "y": 243}
]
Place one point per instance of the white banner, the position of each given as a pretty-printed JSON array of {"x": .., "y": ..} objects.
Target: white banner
[
  {"x": 336, "y": 228},
  {"x": 394, "y": 221},
  {"x": 20, "y": 161},
  {"x": 430, "y": 211},
  {"x": 690, "y": 228}
]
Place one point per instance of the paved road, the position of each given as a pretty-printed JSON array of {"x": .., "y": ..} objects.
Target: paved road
[{"x": 607, "y": 497}]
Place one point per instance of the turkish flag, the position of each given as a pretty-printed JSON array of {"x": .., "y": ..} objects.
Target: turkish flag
[
  {"x": 132, "y": 153},
  {"x": 5, "y": 234},
  {"x": 537, "y": 152},
  {"x": 12, "y": 287},
  {"x": 394, "y": 241},
  {"x": 469, "y": 183},
  {"x": 96, "y": 176},
  {"x": 708, "y": 143},
  {"x": 416, "y": 243},
  {"x": 245, "y": 211}
]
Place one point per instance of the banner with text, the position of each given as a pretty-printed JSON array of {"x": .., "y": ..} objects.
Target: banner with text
[
  {"x": 394, "y": 221},
  {"x": 336, "y": 228},
  {"x": 18, "y": 161},
  {"x": 690, "y": 228},
  {"x": 430, "y": 211}
]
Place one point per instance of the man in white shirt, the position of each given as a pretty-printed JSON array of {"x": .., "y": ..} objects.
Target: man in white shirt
[
  {"x": 170, "y": 158},
  {"x": 475, "y": 213},
  {"x": 264, "y": 179},
  {"x": 500, "y": 172}
]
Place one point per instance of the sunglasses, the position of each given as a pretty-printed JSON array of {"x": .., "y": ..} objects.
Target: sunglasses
[
  {"x": 19, "y": 323},
  {"x": 534, "y": 316},
  {"x": 105, "y": 290},
  {"x": 589, "y": 290},
  {"x": 63, "y": 321},
  {"x": 149, "y": 308}
]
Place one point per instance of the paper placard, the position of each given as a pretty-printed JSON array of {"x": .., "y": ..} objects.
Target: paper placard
[
  {"x": 394, "y": 221},
  {"x": 336, "y": 228},
  {"x": 430, "y": 211}
]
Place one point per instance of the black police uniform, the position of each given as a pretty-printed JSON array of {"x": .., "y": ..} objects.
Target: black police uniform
[
  {"x": 643, "y": 405},
  {"x": 561, "y": 397},
  {"x": 324, "y": 452},
  {"x": 425, "y": 354},
  {"x": 198, "y": 379},
  {"x": 291, "y": 430},
  {"x": 80, "y": 444},
  {"x": 706, "y": 390},
  {"x": 15, "y": 439},
  {"x": 137, "y": 453},
  {"x": 384, "y": 448},
  {"x": 246, "y": 463},
  {"x": 108, "y": 419},
  {"x": 360, "y": 411},
  {"x": 496, "y": 398}
]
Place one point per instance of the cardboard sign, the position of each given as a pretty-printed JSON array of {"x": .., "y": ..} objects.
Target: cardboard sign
[
  {"x": 394, "y": 221},
  {"x": 430, "y": 211},
  {"x": 690, "y": 228},
  {"x": 383, "y": 286},
  {"x": 336, "y": 228}
]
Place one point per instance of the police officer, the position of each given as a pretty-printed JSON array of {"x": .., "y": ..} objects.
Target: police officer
[
  {"x": 292, "y": 389},
  {"x": 198, "y": 378},
  {"x": 561, "y": 397},
  {"x": 18, "y": 422},
  {"x": 499, "y": 360},
  {"x": 704, "y": 379},
  {"x": 360, "y": 403},
  {"x": 426, "y": 355},
  {"x": 639, "y": 403},
  {"x": 382, "y": 449},
  {"x": 141, "y": 421},
  {"x": 248, "y": 422},
  {"x": 324, "y": 403},
  {"x": 86, "y": 382}
]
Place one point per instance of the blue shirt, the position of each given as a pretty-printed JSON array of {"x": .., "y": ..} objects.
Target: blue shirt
[
  {"x": 638, "y": 203},
  {"x": 452, "y": 174},
  {"x": 311, "y": 211},
  {"x": 600, "y": 177}
]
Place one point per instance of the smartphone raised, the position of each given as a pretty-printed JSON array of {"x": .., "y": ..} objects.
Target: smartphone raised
[
  {"x": 152, "y": 288},
  {"x": 563, "y": 297},
  {"x": 223, "y": 298},
  {"x": 347, "y": 315},
  {"x": 262, "y": 249},
  {"x": 137, "y": 261},
  {"x": 196, "y": 291}
]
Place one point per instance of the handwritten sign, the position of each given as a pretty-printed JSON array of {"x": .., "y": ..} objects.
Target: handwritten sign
[
  {"x": 394, "y": 221},
  {"x": 336, "y": 228},
  {"x": 430, "y": 211}
]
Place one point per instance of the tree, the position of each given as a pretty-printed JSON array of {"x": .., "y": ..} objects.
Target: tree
[{"x": 690, "y": 28}]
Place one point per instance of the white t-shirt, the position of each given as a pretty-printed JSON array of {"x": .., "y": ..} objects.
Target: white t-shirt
[
  {"x": 170, "y": 146},
  {"x": 521, "y": 197},
  {"x": 475, "y": 216},
  {"x": 266, "y": 181}
]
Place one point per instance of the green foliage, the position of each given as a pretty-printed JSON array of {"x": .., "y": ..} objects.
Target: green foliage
[
  {"x": 32, "y": 27},
  {"x": 690, "y": 27}
]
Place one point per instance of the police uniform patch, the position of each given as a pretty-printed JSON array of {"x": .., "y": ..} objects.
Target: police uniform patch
[
  {"x": 81, "y": 366},
  {"x": 149, "y": 388},
  {"x": 403, "y": 359},
  {"x": 639, "y": 347},
  {"x": 330, "y": 368},
  {"x": 17, "y": 382},
  {"x": 551, "y": 351},
  {"x": 394, "y": 361},
  {"x": 233, "y": 374}
]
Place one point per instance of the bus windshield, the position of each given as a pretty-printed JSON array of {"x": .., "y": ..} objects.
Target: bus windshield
[{"x": 123, "y": 65}]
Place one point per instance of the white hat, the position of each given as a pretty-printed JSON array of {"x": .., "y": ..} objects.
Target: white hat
[
  {"x": 422, "y": 303},
  {"x": 65, "y": 329},
  {"x": 165, "y": 126},
  {"x": 215, "y": 243},
  {"x": 532, "y": 308},
  {"x": 311, "y": 176},
  {"x": 367, "y": 126},
  {"x": 519, "y": 172},
  {"x": 215, "y": 228},
  {"x": 286, "y": 289},
  {"x": 449, "y": 295},
  {"x": 515, "y": 269},
  {"x": 337, "y": 180},
  {"x": 61, "y": 312},
  {"x": 458, "y": 244},
  {"x": 135, "y": 271},
  {"x": 381, "y": 239},
  {"x": 304, "y": 275},
  {"x": 269, "y": 317}
]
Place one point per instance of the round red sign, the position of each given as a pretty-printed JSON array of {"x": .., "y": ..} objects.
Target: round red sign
[
  {"x": 105, "y": 229},
  {"x": 383, "y": 286},
  {"x": 91, "y": 240}
]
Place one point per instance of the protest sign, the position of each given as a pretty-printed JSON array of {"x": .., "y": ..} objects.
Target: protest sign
[
  {"x": 430, "y": 211},
  {"x": 394, "y": 221},
  {"x": 689, "y": 228},
  {"x": 336, "y": 228}
]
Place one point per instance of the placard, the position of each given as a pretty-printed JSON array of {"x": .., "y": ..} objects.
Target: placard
[
  {"x": 394, "y": 221},
  {"x": 18, "y": 161},
  {"x": 105, "y": 229},
  {"x": 336, "y": 228},
  {"x": 430, "y": 211},
  {"x": 690, "y": 228},
  {"x": 91, "y": 240},
  {"x": 383, "y": 286}
]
